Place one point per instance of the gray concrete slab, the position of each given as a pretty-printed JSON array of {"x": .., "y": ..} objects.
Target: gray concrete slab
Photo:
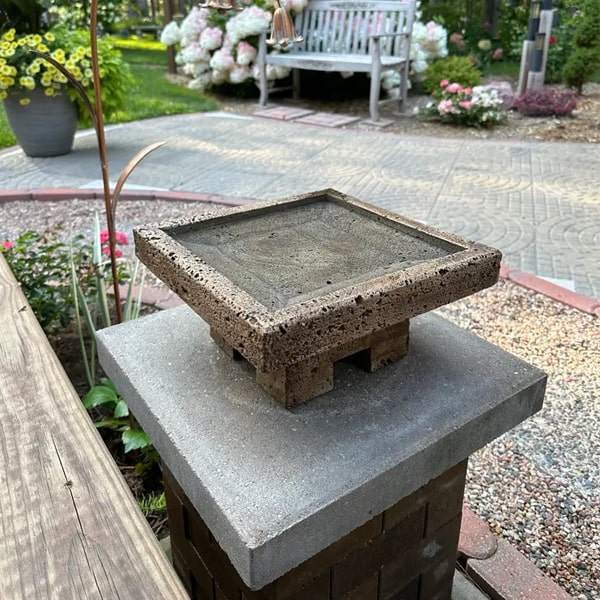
[
  {"x": 276, "y": 486},
  {"x": 464, "y": 589},
  {"x": 538, "y": 202}
]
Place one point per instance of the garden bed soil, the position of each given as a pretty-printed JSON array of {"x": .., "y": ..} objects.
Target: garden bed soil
[{"x": 582, "y": 126}]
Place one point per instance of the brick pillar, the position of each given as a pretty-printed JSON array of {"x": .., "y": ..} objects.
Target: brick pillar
[{"x": 407, "y": 552}]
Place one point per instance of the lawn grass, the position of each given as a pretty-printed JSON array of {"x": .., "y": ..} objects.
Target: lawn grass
[{"x": 152, "y": 95}]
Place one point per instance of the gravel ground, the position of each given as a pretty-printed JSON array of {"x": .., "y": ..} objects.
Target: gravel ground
[{"x": 538, "y": 485}]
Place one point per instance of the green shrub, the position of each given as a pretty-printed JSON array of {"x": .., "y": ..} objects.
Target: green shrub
[
  {"x": 584, "y": 62},
  {"x": 455, "y": 69}
]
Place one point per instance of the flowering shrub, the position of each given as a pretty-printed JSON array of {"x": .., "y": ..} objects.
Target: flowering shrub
[
  {"x": 473, "y": 107},
  {"x": 546, "y": 102},
  {"x": 459, "y": 69},
  {"x": 22, "y": 70},
  {"x": 221, "y": 48},
  {"x": 41, "y": 264}
]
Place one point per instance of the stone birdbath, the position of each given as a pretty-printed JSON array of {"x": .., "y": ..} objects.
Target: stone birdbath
[{"x": 295, "y": 285}]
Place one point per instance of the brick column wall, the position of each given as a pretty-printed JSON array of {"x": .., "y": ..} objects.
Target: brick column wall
[{"x": 407, "y": 552}]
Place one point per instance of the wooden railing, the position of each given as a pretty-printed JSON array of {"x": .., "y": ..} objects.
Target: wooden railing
[{"x": 69, "y": 525}]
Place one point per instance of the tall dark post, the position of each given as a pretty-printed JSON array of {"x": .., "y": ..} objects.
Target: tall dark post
[
  {"x": 538, "y": 52},
  {"x": 534, "y": 19},
  {"x": 168, "y": 16}
]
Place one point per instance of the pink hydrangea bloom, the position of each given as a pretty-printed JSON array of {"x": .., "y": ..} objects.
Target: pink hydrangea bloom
[
  {"x": 444, "y": 83},
  {"x": 104, "y": 236},
  {"x": 445, "y": 107},
  {"x": 211, "y": 38},
  {"x": 466, "y": 104},
  {"x": 7, "y": 245},
  {"x": 239, "y": 74},
  {"x": 245, "y": 53},
  {"x": 453, "y": 88},
  {"x": 222, "y": 60}
]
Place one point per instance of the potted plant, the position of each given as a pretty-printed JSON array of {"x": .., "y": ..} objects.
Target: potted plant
[{"x": 41, "y": 108}]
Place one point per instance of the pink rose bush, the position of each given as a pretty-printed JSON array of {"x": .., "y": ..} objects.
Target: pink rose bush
[{"x": 473, "y": 107}]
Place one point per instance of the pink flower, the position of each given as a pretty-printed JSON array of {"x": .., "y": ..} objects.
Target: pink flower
[
  {"x": 106, "y": 250},
  {"x": 444, "y": 83},
  {"x": 121, "y": 238},
  {"x": 458, "y": 41},
  {"x": 466, "y": 104},
  {"x": 7, "y": 245},
  {"x": 468, "y": 91},
  {"x": 453, "y": 88},
  {"x": 445, "y": 107},
  {"x": 245, "y": 53},
  {"x": 552, "y": 40}
]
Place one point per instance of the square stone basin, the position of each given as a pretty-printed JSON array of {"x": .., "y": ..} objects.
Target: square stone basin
[{"x": 294, "y": 285}]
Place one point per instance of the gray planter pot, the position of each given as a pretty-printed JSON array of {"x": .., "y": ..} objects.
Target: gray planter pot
[{"x": 44, "y": 127}]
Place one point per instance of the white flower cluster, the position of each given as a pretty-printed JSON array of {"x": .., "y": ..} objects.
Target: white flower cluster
[
  {"x": 214, "y": 54},
  {"x": 486, "y": 97},
  {"x": 429, "y": 41}
]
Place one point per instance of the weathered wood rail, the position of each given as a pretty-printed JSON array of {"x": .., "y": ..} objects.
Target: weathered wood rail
[{"x": 69, "y": 526}]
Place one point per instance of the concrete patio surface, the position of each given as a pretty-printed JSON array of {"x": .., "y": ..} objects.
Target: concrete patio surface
[{"x": 535, "y": 201}]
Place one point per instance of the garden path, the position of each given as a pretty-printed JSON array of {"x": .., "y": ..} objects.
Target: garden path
[{"x": 536, "y": 201}]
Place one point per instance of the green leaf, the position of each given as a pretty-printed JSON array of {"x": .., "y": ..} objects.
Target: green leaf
[
  {"x": 121, "y": 409},
  {"x": 135, "y": 439},
  {"x": 108, "y": 383},
  {"x": 98, "y": 395}
]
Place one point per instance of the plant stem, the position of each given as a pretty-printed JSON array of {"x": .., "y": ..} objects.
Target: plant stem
[{"x": 110, "y": 222}]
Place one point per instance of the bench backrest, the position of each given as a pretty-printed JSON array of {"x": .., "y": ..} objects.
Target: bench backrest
[{"x": 344, "y": 27}]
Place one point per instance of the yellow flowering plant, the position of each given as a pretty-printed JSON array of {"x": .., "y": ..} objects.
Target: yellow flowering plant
[{"x": 23, "y": 67}]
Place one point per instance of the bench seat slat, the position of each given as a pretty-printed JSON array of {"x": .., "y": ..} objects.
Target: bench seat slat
[{"x": 317, "y": 61}]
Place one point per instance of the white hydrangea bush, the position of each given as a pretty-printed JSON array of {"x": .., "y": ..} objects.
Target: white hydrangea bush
[
  {"x": 216, "y": 49},
  {"x": 222, "y": 48}
]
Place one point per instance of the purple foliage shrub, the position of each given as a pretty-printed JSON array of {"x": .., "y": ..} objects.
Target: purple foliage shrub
[{"x": 546, "y": 102}]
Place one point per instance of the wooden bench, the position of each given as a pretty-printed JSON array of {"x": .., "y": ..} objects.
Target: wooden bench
[
  {"x": 339, "y": 35},
  {"x": 70, "y": 527}
]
